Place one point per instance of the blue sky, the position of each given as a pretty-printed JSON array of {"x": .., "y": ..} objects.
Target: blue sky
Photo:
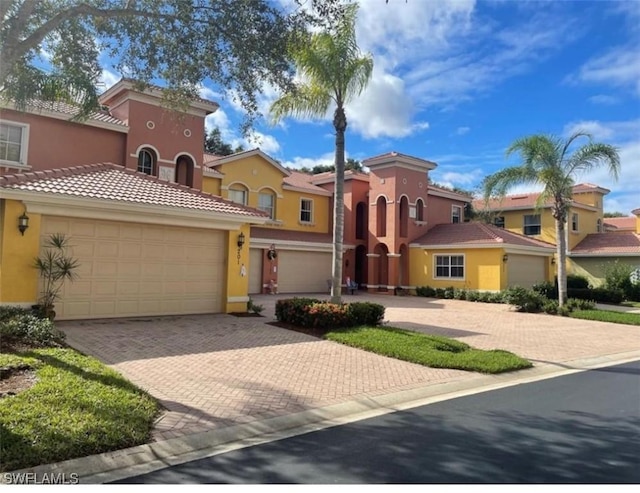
[{"x": 457, "y": 81}]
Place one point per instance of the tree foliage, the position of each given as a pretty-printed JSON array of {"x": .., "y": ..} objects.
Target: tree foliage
[
  {"x": 238, "y": 45},
  {"x": 350, "y": 164},
  {"x": 333, "y": 71},
  {"x": 553, "y": 163},
  {"x": 213, "y": 144},
  {"x": 615, "y": 214}
]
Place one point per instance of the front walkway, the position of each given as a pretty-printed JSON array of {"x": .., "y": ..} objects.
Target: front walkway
[{"x": 213, "y": 371}]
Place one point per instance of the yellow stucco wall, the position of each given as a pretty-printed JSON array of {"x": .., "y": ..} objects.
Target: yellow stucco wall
[
  {"x": 18, "y": 277},
  {"x": 237, "y": 283},
  {"x": 258, "y": 175},
  {"x": 484, "y": 269},
  {"x": 514, "y": 221},
  {"x": 211, "y": 185},
  {"x": 587, "y": 224}
]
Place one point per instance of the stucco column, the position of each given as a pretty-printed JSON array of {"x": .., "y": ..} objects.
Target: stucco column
[
  {"x": 394, "y": 270},
  {"x": 373, "y": 275}
]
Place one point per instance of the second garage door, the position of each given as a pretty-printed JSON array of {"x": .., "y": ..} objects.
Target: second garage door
[
  {"x": 130, "y": 269},
  {"x": 526, "y": 270},
  {"x": 303, "y": 272}
]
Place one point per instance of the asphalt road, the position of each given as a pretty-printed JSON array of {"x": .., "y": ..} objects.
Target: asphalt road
[{"x": 581, "y": 428}]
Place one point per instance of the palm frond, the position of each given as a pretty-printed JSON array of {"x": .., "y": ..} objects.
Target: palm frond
[
  {"x": 594, "y": 155},
  {"x": 498, "y": 184},
  {"x": 304, "y": 101}
]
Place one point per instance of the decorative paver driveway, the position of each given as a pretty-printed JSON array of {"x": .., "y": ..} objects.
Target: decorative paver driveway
[{"x": 212, "y": 371}]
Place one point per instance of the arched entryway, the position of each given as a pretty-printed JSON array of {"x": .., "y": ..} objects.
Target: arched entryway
[
  {"x": 184, "y": 171},
  {"x": 382, "y": 274},
  {"x": 360, "y": 273},
  {"x": 403, "y": 268}
]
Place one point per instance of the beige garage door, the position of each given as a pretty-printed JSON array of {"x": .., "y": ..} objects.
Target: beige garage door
[
  {"x": 303, "y": 272},
  {"x": 525, "y": 270},
  {"x": 130, "y": 269},
  {"x": 255, "y": 271}
]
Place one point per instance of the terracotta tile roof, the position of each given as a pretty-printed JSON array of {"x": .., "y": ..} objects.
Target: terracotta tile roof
[
  {"x": 475, "y": 233},
  {"x": 72, "y": 110},
  {"x": 286, "y": 235},
  {"x": 111, "y": 182},
  {"x": 620, "y": 223},
  {"x": 609, "y": 244},
  {"x": 302, "y": 180},
  {"x": 329, "y": 176},
  {"x": 525, "y": 200},
  {"x": 210, "y": 159},
  {"x": 589, "y": 187}
]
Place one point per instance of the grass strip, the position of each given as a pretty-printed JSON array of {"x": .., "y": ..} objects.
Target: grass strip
[
  {"x": 607, "y": 316},
  {"x": 428, "y": 350}
]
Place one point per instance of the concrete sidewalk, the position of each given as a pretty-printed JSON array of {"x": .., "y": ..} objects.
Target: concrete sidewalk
[{"x": 221, "y": 377}]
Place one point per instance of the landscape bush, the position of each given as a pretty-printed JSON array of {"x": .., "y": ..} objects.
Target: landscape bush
[
  {"x": 314, "y": 313},
  {"x": 525, "y": 300},
  {"x": 576, "y": 281},
  {"x": 617, "y": 276},
  {"x": 27, "y": 329}
]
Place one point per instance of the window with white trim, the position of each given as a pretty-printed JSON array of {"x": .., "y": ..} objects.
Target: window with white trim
[
  {"x": 266, "y": 203},
  {"x": 146, "y": 162},
  {"x": 532, "y": 225},
  {"x": 13, "y": 143},
  {"x": 449, "y": 266},
  {"x": 238, "y": 195},
  {"x": 456, "y": 214},
  {"x": 574, "y": 222},
  {"x": 306, "y": 210}
]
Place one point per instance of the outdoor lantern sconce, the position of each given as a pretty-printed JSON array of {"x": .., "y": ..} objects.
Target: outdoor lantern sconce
[
  {"x": 553, "y": 261},
  {"x": 505, "y": 257},
  {"x": 271, "y": 253},
  {"x": 23, "y": 223},
  {"x": 240, "y": 245}
]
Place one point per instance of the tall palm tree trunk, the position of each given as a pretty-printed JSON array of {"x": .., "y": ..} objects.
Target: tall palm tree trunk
[
  {"x": 340, "y": 124},
  {"x": 562, "y": 261}
]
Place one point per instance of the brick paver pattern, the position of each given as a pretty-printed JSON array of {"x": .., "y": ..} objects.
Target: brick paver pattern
[{"x": 212, "y": 371}]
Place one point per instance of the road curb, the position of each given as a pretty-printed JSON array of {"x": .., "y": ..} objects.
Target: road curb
[{"x": 121, "y": 464}]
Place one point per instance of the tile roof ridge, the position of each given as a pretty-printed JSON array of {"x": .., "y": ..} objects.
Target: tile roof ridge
[{"x": 485, "y": 227}]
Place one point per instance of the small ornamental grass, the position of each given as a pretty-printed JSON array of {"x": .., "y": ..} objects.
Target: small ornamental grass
[
  {"x": 427, "y": 350},
  {"x": 77, "y": 407}
]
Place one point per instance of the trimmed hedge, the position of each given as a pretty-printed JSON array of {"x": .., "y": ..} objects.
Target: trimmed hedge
[
  {"x": 314, "y": 313},
  {"x": 452, "y": 293},
  {"x": 30, "y": 330}
]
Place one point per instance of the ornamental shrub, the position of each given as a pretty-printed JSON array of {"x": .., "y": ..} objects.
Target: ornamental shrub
[
  {"x": 365, "y": 313},
  {"x": 30, "y": 330},
  {"x": 525, "y": 300},
  {"x": 314, "y": 313},
  {"x": 425, "y": 291}
]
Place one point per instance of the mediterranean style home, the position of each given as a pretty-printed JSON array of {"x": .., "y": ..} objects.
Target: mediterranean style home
[
  {"x": 160, "y": 228},
  {"x": 593, "y": 241}
]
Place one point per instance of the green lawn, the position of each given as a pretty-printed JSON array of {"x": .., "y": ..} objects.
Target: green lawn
[
  {"x": 77, "y": 407},
  {"x": 607, "y": 316},
  {"x": 632, "y": 304},
  {"x": 428, "y": 350}
]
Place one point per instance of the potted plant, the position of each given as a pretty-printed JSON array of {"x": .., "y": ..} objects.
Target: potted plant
[{"x": 55, "y": 265}]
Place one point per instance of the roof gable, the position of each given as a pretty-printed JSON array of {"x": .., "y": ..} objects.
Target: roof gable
[{"x": 215, "y": 161}]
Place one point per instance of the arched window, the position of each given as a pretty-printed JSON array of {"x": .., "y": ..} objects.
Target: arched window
[
  {"x": 267, "y": 203},
  {"x": 238, "y": 194},
  {"x": 147, "y": 162},
  {"x": 381, "y": 216},
  {"x": 361, "y": 211},
  {"x": 184, "y": 171},
  {"x": 419, "y": 210},
  {"x": 404, "y": 217}
]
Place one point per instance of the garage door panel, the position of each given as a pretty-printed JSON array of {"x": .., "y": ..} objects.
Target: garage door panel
[
  {"x": 129, "y": 269},
  {"x": 303, "y": 272},
  {"x": 526, "y": 270}
]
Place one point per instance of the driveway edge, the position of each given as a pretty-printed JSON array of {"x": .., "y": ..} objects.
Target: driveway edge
[{"x": 134, "y": 461}]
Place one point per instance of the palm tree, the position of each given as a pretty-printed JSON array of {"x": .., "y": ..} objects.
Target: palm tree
[
  {"x": 549, "y": 161},
  {"x": 334, "y": 71}
]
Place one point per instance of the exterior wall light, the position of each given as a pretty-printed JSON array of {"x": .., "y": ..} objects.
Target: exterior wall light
[
  {"x": 553, "y": 261},
  {"x": 240, "y": 245},
  {"x": 505, "y": 257},
  {"x": 23, "y": 223}
]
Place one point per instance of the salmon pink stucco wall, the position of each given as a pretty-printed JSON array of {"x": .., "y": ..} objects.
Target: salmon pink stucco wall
[{"x": 55, "y": 143}]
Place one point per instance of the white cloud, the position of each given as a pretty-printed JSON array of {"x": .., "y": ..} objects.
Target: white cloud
[
  {"x": 619, "y": 67},
  {"x": 462, "y": 130},
  {"x": 604, "y": 99},
  {"x": 208, "y": 93},
  {"x": 299, "y": 162},
  {"x": 625, "y": 135},
  {"x": 267, "y": 143},
  {"x": 107, "y": 79},
  {"x": 220, "y": 119}
]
